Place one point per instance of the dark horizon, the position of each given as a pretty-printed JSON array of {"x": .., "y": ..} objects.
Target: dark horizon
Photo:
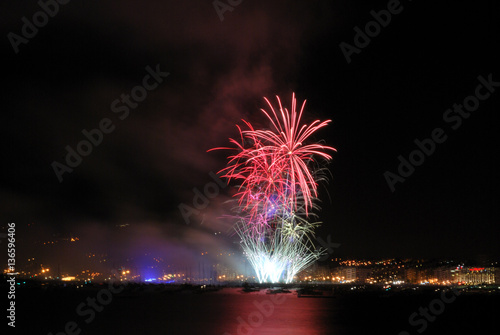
[
  {"x": 398, "y": 88},
  {"x": 136, "y": 246}
]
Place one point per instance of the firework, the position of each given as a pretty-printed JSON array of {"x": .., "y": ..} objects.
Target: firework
[
  {"x": 280, "y": 253},
  {"x": 277, "y": 171},
  {"x": 278, "y": 160}
]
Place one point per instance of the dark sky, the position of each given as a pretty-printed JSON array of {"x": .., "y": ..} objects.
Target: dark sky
[{"x": 395, "y": 90}]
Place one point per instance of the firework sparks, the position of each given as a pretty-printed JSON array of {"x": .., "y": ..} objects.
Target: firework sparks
[{"x": 278, "y": 175}]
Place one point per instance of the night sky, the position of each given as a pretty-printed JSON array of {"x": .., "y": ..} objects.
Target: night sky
[{"x": 394, "y": 90}]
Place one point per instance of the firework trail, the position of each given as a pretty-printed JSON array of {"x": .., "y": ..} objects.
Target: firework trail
[{"x": 277, "y": 173}]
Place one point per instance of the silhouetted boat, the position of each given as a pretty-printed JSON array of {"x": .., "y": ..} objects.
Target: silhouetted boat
[
  {"x": 308, "y": 292},
  {"x": 248, "y": 289},
  {"x": 275, "y": 290}
]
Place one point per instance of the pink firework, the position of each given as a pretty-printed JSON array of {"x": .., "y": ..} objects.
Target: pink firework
[{"x": 277, "y": 162}]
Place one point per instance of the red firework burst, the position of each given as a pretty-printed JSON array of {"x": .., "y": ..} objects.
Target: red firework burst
[{"x": 277, "y": 162}]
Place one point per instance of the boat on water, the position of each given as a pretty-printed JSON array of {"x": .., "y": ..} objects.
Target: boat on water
[
  {"x": 308, "y": 292},
  {"x": 274, "y": 290},
  {"x": 247, "y": 288}
]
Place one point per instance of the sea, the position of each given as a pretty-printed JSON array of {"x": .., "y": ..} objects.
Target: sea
[{"x": 153, "y": 310}]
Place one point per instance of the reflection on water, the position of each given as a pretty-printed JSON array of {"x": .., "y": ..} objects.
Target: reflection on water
[
  {"x": 154, "y": 310},
  {"x": 260, "y": 313}
]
